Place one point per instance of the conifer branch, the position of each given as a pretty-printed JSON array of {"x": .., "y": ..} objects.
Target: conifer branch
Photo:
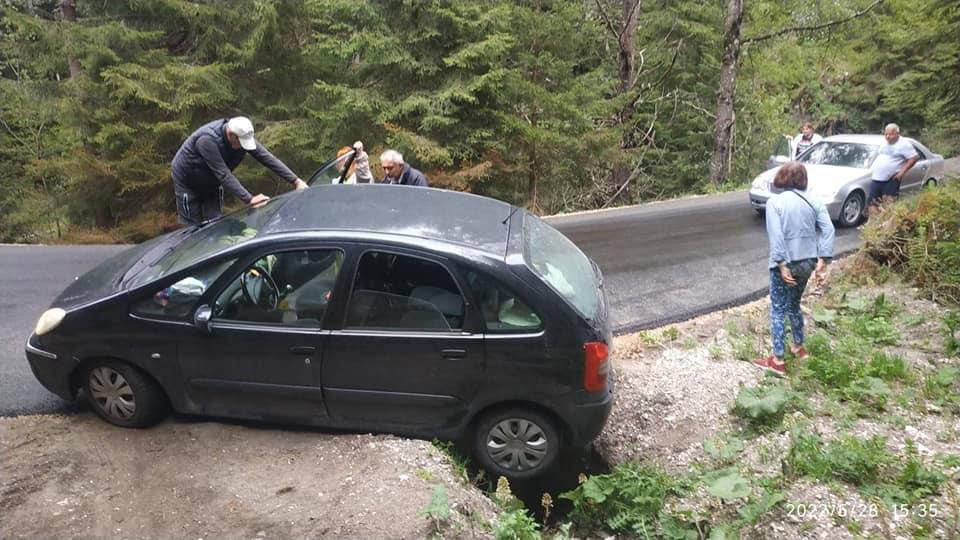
[{"x": 795, "y": 29}]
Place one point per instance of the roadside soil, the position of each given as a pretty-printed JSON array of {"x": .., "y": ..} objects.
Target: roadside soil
[{"x": 76, "y": 476}]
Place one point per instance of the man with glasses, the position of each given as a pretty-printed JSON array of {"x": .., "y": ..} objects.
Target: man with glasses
[{"x": 398, "y": 172}]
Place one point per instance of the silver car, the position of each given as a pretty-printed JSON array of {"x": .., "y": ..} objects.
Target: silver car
[{"x": 838, "y": 172}]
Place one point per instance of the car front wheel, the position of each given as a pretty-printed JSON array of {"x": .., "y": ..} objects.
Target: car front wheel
[
  {"x": 123, "y": 395},
  {"x": 516, "y": 443},
  {"x": 851, "y": 213}
]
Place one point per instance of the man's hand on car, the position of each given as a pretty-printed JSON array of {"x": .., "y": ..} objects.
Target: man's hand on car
[{"x": 258, "y": 200}]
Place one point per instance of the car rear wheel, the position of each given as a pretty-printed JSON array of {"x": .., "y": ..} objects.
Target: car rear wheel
[
  {"x": 516, "y": 443},
  {"x": 851, "y": 213},
  {"x": 122, "y": 395},
  {"x": 930, "y": 183}
]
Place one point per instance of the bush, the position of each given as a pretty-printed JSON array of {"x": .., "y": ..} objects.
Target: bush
[{"x": 921, "y": 237}]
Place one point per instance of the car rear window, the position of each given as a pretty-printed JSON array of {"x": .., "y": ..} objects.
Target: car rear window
[{"x": 561, "y": 264}]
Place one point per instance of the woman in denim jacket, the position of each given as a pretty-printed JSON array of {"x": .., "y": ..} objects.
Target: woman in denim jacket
[{"x": 801, "y": 244}]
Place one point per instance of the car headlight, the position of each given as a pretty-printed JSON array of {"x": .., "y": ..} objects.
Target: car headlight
[{"x": 49, "y": 320}]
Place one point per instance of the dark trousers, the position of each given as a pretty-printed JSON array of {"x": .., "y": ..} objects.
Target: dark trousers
[
  {"x": 194, "y": 208},
  {"x": 879, "y": 190}
]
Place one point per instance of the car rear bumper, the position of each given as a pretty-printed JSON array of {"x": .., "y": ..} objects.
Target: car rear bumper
[
  {"x": 52, "y": 372},
  {"x": 587, "y": 419}
]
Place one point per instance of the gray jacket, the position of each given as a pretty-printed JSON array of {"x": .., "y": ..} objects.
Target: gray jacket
[
  {"x": 205, "y": 161},
  {"x": 409, "y": 177}
]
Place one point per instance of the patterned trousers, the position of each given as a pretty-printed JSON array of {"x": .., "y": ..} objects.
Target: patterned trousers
[{"x": 785, "y": 304}]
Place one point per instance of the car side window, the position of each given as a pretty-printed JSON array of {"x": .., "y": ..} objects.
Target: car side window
[
  {"x": 398, "y": 292},
  {"x": 502, "y": 310},
  {"x": 287, "y": 288},
  {"x": 179, "y": 299}
]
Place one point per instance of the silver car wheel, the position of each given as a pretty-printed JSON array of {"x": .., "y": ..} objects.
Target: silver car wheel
[
  {"x": 112, "y": 393},
  {"x": 517, "y": 444},
  {"x": 852, "y": 210}
]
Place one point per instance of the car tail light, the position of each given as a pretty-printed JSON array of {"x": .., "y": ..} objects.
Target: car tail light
[{"x": 596, "y": 366}]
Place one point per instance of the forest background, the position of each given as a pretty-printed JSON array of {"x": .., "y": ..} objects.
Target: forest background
[{"x": 553, "y": 105}]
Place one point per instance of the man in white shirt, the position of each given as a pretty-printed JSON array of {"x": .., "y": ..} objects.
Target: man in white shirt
[
  {"x": 893, "y": 161},
  {"x": 804, "y": 140}
]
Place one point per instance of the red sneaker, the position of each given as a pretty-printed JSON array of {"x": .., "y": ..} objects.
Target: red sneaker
[
  {"x": 800, "y": 353},
  {"x": 772, "y": 365}
]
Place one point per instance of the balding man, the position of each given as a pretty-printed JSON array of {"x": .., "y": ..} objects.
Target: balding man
[
  {"x": 204, "y": 164},
  {"x": 893, "y": 161},
  {"x": 398, "y": 172}
]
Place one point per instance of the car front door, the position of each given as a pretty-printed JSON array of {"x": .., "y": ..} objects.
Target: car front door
[
  {"x": 402, "y": 358},
  {"x": 261, "y": 356},
  {"x": 782, "y": 152},
  {"x": 918, "y": 173}
]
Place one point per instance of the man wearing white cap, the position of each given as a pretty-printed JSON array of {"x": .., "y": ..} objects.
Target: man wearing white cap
[{"x": 204, "y": 166}]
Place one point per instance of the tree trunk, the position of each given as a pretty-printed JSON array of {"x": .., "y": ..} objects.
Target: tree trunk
[
  {"x": 627, "y": 72},
  {"x": 726, "y": 116},
  {"x": 69, "y": 10}
]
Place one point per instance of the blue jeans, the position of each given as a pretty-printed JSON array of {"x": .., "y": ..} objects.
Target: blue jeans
[{"x": 785, "y": 304}]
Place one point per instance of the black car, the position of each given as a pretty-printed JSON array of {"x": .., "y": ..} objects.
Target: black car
[{"x": 389, "y": 308}]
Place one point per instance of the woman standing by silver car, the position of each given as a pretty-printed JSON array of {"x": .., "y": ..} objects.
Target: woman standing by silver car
[{"x": 801, "y": 243}]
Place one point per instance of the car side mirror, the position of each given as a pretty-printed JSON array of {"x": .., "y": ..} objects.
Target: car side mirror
[
  {"x": 780, "y": 160},
  {"x": 201, "y": 319}
]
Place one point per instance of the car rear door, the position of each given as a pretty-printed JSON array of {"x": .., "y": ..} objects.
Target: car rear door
[{"x": 401, "y": 357}]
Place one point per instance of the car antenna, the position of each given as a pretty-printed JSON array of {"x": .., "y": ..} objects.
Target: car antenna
[{"x": 510, "y": 215}]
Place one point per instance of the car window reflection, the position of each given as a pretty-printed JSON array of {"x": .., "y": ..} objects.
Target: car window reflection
[
  {"x": 179, "y": 299},
  {"x": 398, "y": 292},
  {"x": 285, "y": 288}
]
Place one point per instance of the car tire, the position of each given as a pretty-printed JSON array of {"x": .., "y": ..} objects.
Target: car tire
[
  {"x": 516, "y": 443},
  {"x": 930, "y": 183},
  {"x": 123, "y": 395},
  {"x": 852, "y": 210}
]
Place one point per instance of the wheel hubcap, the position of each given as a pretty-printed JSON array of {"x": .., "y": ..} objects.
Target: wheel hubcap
[
  {"x": 112, "y": 393},
  {"x": 851, "y": 211},
  {"x": 517, "y": 444}
]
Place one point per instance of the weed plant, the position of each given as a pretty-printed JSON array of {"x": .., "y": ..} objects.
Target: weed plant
[{"x": 628, "y": 499}]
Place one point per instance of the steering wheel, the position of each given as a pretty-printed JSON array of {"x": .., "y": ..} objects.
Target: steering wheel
[{"x": 258, "y": 276}]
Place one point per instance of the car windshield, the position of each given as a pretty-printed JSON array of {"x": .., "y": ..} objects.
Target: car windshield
[
  {"x": 561, "y": 264},
  {"x": 841, "y": 154},
  {"x": 211, "y": 238}
]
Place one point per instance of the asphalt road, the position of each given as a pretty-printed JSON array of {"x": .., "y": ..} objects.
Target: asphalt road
[{"x": 662, "y": 262}]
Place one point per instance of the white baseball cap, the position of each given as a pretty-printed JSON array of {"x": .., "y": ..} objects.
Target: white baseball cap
[{"x": 242, "y": 127}]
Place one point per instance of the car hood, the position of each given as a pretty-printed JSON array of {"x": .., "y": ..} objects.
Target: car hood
[
  {"x": 105, "y": 280},
  {"x": 818, "y": 176},
  {"x": 833, "y": 175}
]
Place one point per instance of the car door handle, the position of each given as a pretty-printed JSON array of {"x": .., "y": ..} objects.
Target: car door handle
[
  {"x": 303, "y": 349},
  {"x": 454, "y": 353}
]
